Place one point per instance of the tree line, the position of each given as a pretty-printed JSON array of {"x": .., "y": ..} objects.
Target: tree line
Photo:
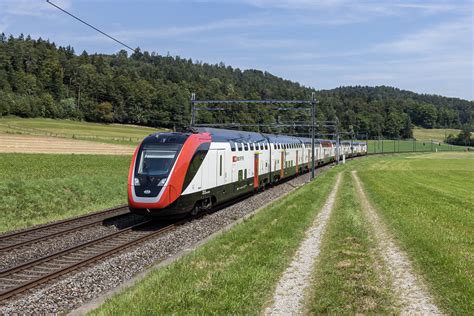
[{"x": 40, "y": 79}]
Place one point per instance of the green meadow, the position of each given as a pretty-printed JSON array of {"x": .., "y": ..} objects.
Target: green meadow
[
  {"x": 427, "y": 201},
  {"x": 438, "y": 134},
  {"x": 38, "y": 188}
]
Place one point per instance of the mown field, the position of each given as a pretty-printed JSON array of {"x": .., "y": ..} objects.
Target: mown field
[
  {"x": 426, "y": 201},
  {"x": 390, "y": 146},
  {"x": 38, "y": 188},
  {"x": 438, "y": 134},
  {"x": 110, "y": 133}
]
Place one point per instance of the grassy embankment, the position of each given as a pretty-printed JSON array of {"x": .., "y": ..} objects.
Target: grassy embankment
[
  {"x": 37, "y": 188},
  {"x": 428, "y": 203},
  {"x": 108, "y": 133},
  {"x": 236, "y": 273},
  {"x": 345, "y": 278}
]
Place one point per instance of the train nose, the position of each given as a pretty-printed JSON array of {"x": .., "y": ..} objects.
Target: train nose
[{"x": 148, "y": 186}]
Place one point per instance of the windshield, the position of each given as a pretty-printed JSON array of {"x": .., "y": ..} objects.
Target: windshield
[{"x": 157, "y": 160}]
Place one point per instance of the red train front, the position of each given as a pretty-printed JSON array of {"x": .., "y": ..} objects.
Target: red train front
[{"x": 158, "y": 170}]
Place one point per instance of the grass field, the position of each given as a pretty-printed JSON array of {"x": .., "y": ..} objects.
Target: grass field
[
  {"x": 427, "y": 201},
  {"x": 110, "y": 133},
  {"x": 438, "y": 134},
  {"x": 37, "y": 188},
  {"x": 390, "y": 146},
  {"x": 345, "y": 280},
  {"x": 236, "y": 273}
]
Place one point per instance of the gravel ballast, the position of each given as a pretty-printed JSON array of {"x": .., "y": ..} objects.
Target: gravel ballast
[
  {"x": 71, "y": 291},
  {"x": 52, "y": 245}
]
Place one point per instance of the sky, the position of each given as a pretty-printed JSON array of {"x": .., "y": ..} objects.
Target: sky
[{"x": 422, "y": 46}]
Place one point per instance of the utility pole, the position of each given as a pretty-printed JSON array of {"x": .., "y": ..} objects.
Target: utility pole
[{"x": 313, "y": 124}]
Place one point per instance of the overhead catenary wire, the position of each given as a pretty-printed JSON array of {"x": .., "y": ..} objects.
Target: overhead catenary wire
[{"x": 91, "y": 26}]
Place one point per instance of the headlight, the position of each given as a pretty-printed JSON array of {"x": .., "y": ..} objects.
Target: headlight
[
  {"x": 162, "y": 182},
  {"x": 136, "y": 181}
]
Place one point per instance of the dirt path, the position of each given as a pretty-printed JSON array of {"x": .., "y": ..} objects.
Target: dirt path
[
  {"x": 10, "y": 143},
  {"x": 407, "y": 286},
  {"x": 289, "y": 294}
]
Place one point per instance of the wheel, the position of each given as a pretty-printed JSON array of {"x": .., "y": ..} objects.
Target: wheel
[{"x": 195, "y": 211}]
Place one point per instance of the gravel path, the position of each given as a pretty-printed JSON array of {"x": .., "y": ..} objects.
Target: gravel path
[
  {"x": 407, "y": 286},
  {"x": 71, "y": 291},
  {"x": 289, "y": 294}
]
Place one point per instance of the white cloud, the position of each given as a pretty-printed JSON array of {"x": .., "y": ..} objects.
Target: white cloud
[
  {"x": 448, "y": 36},
  {"x": 31, "y": 7}
]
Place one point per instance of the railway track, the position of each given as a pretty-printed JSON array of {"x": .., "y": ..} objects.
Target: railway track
[
  {"x": 25, "y": 276},
  {"x": 33, "y": 235}
]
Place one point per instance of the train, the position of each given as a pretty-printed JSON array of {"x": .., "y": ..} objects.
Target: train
[{"x": 181, "y": 173}]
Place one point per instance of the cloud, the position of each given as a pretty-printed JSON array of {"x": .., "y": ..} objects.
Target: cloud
[
  {"x": 448, "y": 36},
  {"x": 31, "y": 7},
  {"x": 176, "y": 32}
]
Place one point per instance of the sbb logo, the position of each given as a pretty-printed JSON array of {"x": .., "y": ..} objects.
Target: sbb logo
[{"x": 237, "y": 158}]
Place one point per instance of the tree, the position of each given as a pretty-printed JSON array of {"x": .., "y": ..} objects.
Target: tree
[
  {"x": 37, "y": 78},
  {"x": 464, "y": 137},
  {"x": 103, "y": 112}
]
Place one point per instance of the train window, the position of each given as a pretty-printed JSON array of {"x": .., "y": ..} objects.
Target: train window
[
  {"x": 220, "y": 165},
  {"x": 245, "y": 174},
  {"x": 266, "y": 146},
  {"x": 246, "y": 146},
  {"x": 274, "y": 146},
  {"x": 251, "y": 147},
  {"x": 239, "y": 146},
  {"x": 232, "y": 146},
  {"x": 240, "y": 175}
]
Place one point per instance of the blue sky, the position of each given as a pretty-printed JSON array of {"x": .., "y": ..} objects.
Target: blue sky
[{"x": 423, "y": 46}]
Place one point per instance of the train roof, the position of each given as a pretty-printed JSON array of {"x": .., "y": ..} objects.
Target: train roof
[{"x": 228, "y": 135}]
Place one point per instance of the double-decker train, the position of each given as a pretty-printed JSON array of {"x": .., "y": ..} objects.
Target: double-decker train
[{"x": 179, "y": 173}]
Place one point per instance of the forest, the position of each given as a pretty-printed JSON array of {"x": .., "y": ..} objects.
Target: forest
[{"x": 40, "y": 79}]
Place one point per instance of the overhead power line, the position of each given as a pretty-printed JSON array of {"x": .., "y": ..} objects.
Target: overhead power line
[{"x": 91, "y": 26}]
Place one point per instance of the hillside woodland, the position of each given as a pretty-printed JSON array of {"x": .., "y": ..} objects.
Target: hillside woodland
[{"x": 40, "y": 79}]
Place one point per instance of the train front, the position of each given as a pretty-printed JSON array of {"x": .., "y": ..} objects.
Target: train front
[{"x": 157, "y": 172}]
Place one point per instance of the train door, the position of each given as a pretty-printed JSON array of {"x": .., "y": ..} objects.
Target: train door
[
  {"x": 282, "y": 165},
  {"x": 297, "y": 162},
  {"x": 208, "y": 176},
  {"x": 309, "y": 157},
  {"x": 255, "y": 171},
  {"x": 220, "y": 168}
]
